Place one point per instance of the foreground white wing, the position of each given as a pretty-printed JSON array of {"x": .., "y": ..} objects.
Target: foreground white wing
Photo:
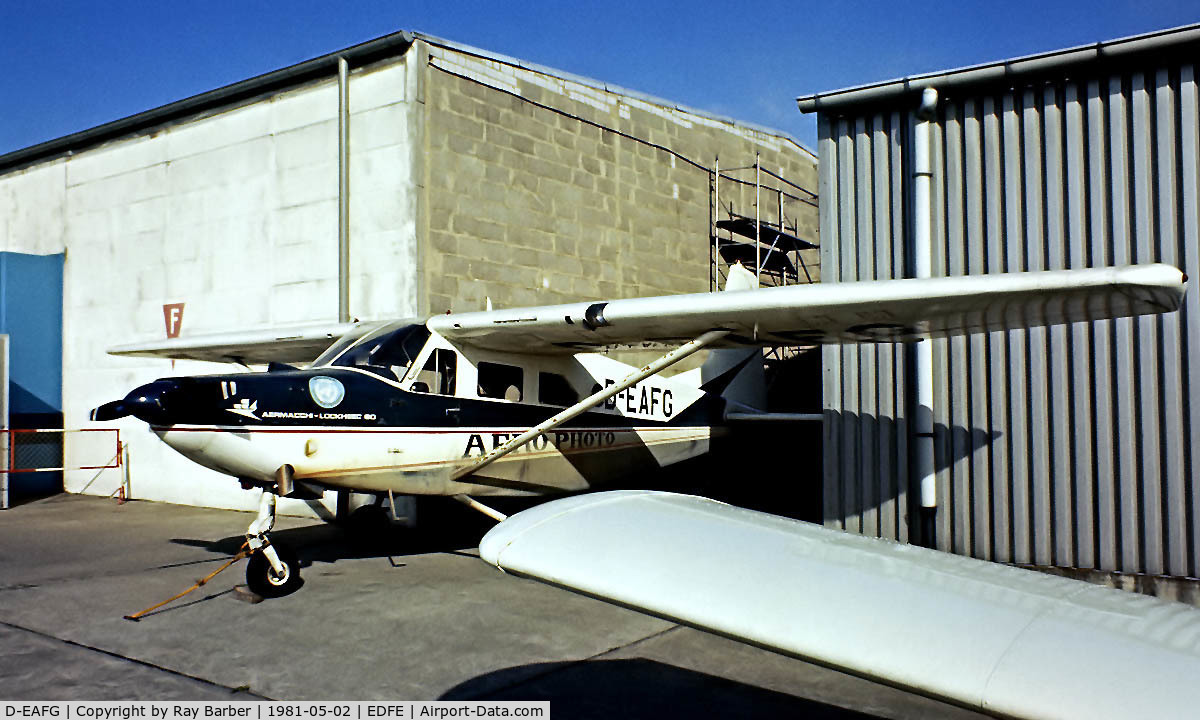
[
  {"x": 1001, "y": 639},
  {"x": 289, "y": 344},
  {"x": 876, "y": 311}
]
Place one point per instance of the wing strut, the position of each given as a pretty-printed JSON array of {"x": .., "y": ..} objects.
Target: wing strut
[
  {"x": 592, "y": 401},
  {"x": 480, "y": 507}
]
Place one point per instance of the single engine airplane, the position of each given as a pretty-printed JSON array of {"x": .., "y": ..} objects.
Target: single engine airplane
[{"x": 523, "y": 402}]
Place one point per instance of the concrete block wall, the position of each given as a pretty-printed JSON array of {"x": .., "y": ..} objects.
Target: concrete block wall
[{"x": 543, "y": 189}]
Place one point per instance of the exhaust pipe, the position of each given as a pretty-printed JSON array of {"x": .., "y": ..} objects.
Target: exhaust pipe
[{"x": 285, "y": 480}]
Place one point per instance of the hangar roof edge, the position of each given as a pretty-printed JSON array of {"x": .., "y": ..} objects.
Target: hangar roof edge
[
  {"x": 369, "y": 51},
  {"x": 605, "y": 86},
  {"x": 970, "y": 75},
  {"x": 366, "y": 52}
]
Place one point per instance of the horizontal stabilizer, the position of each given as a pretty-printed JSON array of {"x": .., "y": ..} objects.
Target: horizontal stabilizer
[
  {"x": 285, "y": 344},
  {"x": 1000, "y": 639}
]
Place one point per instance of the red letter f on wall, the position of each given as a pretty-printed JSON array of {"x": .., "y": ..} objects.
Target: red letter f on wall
[{"x": 173, "y": 317}]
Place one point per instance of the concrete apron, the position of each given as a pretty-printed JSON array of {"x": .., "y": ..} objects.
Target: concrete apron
[{"x": 417, "y": 617}]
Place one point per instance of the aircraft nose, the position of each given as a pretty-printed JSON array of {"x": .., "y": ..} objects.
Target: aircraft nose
[{"x": 148, "y": 402}]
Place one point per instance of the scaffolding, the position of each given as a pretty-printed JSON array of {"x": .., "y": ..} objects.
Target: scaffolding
[{"x": 771, "y": 246}]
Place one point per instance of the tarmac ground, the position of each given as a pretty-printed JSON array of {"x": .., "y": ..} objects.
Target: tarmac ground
[{"x": 414, "y": 615}]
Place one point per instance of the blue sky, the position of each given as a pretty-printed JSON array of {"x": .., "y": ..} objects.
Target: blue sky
[{"x": 68, "y": 66}]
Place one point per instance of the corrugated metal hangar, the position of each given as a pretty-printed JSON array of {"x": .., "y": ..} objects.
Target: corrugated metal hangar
[
  {"x": 454, "y": 175},
  {"x": 1070, "y": 447}
]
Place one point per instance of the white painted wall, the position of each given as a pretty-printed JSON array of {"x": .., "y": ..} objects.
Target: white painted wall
[
  {"x": 29, "y": 222},
  {"x": 235, "y": 215}
]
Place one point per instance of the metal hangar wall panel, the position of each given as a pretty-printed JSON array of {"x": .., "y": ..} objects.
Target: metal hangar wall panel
[{"x": 1070, "y": 446}]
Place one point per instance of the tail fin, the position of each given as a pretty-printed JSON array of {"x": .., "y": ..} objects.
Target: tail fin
[{"x": 737, "y": 374}]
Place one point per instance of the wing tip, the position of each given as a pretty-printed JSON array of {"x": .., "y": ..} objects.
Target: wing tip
[{"x": 504, "y": 534}]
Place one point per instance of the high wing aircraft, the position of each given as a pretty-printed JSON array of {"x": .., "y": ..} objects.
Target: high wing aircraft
[{"x": 522, "y": 402}]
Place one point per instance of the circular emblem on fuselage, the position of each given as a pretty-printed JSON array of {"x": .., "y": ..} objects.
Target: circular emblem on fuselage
[{"x": 326, "y": 391}]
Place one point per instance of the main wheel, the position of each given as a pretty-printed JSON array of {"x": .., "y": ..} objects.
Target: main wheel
[{"x": 261, "y": 577}]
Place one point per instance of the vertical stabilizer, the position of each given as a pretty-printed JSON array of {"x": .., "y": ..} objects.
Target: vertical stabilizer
[{"x": 748, "y": 388}]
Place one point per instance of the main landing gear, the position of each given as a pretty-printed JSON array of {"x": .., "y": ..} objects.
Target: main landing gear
[{"x": 273, "y": 570}]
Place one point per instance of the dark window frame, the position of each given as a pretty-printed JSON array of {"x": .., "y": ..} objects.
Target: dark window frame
[{"x": 558, "y": 392}]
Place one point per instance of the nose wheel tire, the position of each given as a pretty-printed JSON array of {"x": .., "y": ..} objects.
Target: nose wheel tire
[{"x": 262, "y": 579}]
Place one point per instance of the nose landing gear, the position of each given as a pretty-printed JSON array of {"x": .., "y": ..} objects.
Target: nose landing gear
[
  {"x": 273, "y": 570},
  {"x": 263, "y": 579}
]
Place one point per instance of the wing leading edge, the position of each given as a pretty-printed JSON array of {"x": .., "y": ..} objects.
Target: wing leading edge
[
  {"x": 849, "y": 312},
  {"x": 991, "y": 637}
]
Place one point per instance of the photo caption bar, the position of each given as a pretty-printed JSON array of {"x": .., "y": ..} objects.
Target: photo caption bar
[{"x": 274, "y": 710}]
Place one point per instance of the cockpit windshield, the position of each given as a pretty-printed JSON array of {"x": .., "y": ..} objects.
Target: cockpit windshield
[{"x": 387, "y": 351}]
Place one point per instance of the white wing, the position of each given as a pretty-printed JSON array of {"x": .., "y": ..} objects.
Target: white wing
[
  {"x": 298, "y": 344},
  {"x": 997, "y": 638},
  {"x": 877, "y": 311}
]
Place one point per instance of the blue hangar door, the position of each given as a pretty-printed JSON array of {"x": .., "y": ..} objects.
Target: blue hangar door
[{"x": 31, "y": 300}]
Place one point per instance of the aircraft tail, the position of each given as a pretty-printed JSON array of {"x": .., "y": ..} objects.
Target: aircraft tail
[{"x": 737, "y": 374}]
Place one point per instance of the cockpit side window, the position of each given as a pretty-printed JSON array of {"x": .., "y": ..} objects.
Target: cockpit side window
[
  {"x": 438, "y": 375},
  {"x": 388, "y": 353}
]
